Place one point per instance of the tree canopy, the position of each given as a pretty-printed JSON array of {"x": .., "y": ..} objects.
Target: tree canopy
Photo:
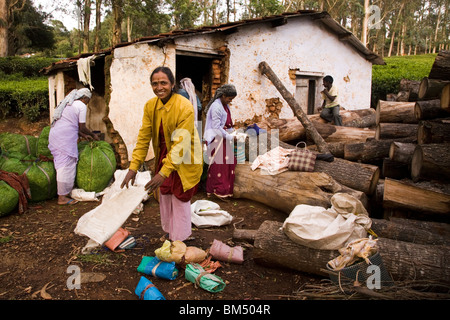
[{"x": 386, "y": 27}]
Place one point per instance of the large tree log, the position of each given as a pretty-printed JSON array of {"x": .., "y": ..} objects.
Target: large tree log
[
  {"x": 286, "y": 190},
  {"x": 395, "y": 112},
  {"x": 438, "y": 229},
  {"x": 445, "y": 98},
  {"x": 398, "y": 229},
  {"x": 292, "y": 129},
  {"x": 373, "y": 151},
  {"x": 434, "y": 131},
  {"x": 399, "y": 194},
  {"x": 401, "y": 152},
  {"x": 441, "y": 66},
  {"x": 431, "y": 88},
  {"x": 410, "y": 86},
  {"x": 403, "y": 260},
  {"x": 431, "y": 161},
  {"x": 396, "y": 131},
  {"x": 429, "y": 109},
  {"x": 358, "y": 176},
  {"x": 265, "y": 69},
  {"x": 394, "y": 170}
]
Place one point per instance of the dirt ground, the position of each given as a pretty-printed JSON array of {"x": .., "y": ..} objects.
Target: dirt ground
[{"x": 37, "y": 248}]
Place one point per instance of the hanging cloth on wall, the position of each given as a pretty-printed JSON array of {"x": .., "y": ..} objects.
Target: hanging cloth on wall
[{"x": 84, "y": 70}]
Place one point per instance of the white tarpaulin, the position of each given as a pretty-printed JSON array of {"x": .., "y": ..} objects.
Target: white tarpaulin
[{"x": 117, "y": 205}]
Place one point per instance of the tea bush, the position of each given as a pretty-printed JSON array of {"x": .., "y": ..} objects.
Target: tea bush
[
  {"x": 386, "y": 78},
  {"x": 23, "y": 89}
]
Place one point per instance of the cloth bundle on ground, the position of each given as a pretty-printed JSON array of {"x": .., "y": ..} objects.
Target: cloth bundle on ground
[
  {"x": 272, "y": 162},
  {"x": 41, "y": 176},
  {"x": 96, "y": 165},
  {"x": 203, "y": 279},
  {"x": 18, "y": 146},
  {"x": 360, "y": 249},
  {"x": 224, "y": 252},
  {"x": 81, "y": 195},
  {"x": 178, "y": 252},
  {"x": 14, "y": 192},
  {"x": 328, "y": 229},
  {"x": 146, "y": 290},
  {"x": 205, "y": 213},
  {"x": 157, "y": 268}
]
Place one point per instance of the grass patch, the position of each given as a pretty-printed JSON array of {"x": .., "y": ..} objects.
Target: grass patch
[{"x": 386, "y": 78}]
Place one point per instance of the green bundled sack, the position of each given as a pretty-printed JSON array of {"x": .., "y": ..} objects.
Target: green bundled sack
[
  {"x": 42, "y": 143},
  {"x": 41, "y": 176},
  {"x": 9, "y": 198},
  {"x": 18, "y": 145},
  {"x": 205, "y": 280},
  {"x": 96, "y": 165}
]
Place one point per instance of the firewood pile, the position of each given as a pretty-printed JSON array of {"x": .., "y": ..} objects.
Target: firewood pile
[{"x": 394, "y": 159}]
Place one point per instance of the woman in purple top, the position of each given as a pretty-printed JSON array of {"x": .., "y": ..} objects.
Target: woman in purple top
[
  {"x": 69, "y": 122},
  {"x": 220, "y": 143}
]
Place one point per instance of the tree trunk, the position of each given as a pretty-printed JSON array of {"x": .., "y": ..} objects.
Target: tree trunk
[
  {"x": 396, "y": 131},
  {"x": 117, "y": 9},
  {"x": 372, "y": 151},
  {"x": 358, "y": 176},
  {"x": 286, "y": 190},
  {"x": 401, "y": 152},
  {"x": 441, "y": 66},
  {"x": 434, "y": 131},
  {"x": 445, "y": 98},
  {"x": 298, "y": 112},
  {"x": 412, "y": 87},
  {"x": 98, "y": 5},
  {"x": 4, "y": 28},
  {"x": 394, "y": 170},
  {"x": 403, "y": 260},
  {"x": 292, "y": 129},
  {"x": 87, "y": 20},
  {"x": 331, "y": 133},
  {"x": 437, "y": 229},
  {"x": 431, "y": 161},
  {"x": 431, "y": 88},
  {"x": 429, "y": 109},
  {"x": 409, "y": 196},
  {"x": 395, "y": 112}
]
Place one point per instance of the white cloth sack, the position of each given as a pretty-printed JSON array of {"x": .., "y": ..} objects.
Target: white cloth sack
[
  {"x": 82, "y": 195},
  {"x": 117, "y": 205},
  {"x": 205, "y": 213},
  {"x": 328, "y": 229}
]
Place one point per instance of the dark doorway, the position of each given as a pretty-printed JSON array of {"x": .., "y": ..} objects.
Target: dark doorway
[{"x": 199, "y": 70}]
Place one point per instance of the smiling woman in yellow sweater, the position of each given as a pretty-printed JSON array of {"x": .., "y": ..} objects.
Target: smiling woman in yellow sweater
[{"x": 168, "y": 122}]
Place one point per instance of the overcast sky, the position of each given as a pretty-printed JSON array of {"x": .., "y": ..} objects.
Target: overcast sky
[{"x": 69, "y": 21}]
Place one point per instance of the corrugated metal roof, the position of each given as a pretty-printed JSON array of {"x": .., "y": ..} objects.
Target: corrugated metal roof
[{"x": 322, "y": 17}]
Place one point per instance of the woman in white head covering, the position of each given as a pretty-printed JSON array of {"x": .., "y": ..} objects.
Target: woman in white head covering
[{"x": 69, "y": 122}]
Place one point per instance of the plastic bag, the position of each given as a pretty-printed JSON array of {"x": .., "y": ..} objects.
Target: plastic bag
[
  {"x": 157, "y": 268},
  {"x": 146, "y": 290},
  {"x": 223, "y": 252},
  {"x": 205, "y": 280}
]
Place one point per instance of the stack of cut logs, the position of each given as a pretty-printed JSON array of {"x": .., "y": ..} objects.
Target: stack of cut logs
[{"x": 395, "y": 159}]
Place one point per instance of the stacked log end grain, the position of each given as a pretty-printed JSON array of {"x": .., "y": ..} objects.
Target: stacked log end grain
[{"x": 416, "y": 172}]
